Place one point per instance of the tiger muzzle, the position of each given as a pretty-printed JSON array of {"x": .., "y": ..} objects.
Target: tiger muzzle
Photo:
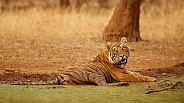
[{"x": 123, "y": 60}]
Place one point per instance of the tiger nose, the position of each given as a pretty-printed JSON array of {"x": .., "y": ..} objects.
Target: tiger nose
[{"x": 123, "y": 56}]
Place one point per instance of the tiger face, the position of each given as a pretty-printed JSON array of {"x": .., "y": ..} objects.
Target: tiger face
[{"x": 118, "y": 53}]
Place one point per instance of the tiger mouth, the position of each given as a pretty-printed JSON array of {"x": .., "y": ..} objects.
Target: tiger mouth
[{"x": 123, "y": 62}]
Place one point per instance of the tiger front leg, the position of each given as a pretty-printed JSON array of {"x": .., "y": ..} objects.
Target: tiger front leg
[{"x": 137, "y": 78}]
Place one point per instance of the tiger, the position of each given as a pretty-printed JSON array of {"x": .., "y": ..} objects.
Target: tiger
[{"x": 107, "y": 69}]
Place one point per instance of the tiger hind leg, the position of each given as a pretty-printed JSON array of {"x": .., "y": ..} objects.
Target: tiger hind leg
[
  {"x": 118, "y": 84},
  {"x": 101, "y": 81}
]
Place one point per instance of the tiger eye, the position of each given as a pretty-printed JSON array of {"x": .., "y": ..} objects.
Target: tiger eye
[{"x": 115, "y": 49}]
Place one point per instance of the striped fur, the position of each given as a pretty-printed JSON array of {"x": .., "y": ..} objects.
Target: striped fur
[{"x": 107, "y": 69}]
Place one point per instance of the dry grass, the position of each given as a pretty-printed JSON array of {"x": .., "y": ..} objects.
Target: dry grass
[
  {"x": 38, "y": 40},
  {"x": 46, "y": 24},
  {"x": 164, "y": 27}
]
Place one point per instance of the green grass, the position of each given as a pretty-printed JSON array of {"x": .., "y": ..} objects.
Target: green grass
[{"x": 86, "y": 94}]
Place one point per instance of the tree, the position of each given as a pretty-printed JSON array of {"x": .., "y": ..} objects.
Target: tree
[
  {"x": 64, "y": 3},
  {"x": 124, "y": 22}
]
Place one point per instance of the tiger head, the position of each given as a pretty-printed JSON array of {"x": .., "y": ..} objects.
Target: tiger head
[{"x": 118, "y": 53}]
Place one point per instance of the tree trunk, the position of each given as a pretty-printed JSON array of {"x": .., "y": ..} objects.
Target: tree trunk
[
  {"x": 64, "y": 3},
  {"x": 124, "y": 22}
]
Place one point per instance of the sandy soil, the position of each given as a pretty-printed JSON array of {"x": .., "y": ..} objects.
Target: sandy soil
[{"x": 39, "y": 60}]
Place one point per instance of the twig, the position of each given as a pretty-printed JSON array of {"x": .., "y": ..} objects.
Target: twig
[
  {"x": 162, "y": 89},
  {"x": 158, "y": 90}
]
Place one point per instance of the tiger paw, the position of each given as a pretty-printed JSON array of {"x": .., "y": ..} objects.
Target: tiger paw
[{"x": 152, "y": 79}]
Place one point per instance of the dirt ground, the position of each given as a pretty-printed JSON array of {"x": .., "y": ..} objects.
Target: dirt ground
[{"x": 39, "y": 60}]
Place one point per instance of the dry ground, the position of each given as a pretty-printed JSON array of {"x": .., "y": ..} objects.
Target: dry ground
[
  {"x": 23, "y": 62},
  {"x": 37, "y": 44}
]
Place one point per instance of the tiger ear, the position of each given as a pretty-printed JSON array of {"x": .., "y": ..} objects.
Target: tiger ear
[
  {"x": 124, "y": 40},
  {"x": 108, "y": 45}
]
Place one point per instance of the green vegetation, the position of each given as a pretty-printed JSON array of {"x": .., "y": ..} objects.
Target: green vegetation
[{"x": 86, "y": 94}]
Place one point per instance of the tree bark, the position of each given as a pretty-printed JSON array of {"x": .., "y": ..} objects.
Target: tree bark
[{"x": 124, "y": 22}]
